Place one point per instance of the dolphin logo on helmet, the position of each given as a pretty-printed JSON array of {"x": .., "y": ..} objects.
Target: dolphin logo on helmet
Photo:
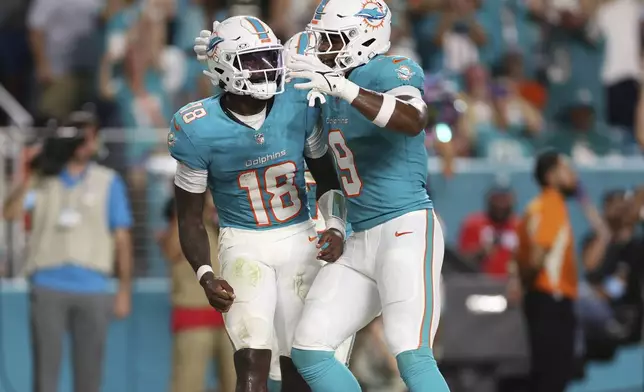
[{"x": 373, "y": 14}]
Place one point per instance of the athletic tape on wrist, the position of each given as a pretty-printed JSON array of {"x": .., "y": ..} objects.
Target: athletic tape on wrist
[
  {"x": 333, "y": 208},
  {"x": 204, "y": 269}
]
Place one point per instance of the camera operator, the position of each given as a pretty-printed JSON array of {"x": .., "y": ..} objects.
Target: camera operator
[{"x": 80, "y": 225}]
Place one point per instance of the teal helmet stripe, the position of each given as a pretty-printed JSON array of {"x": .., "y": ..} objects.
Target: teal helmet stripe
[
  {"x": 302, "y": 43},
  {"x": 259, "y": 28},
  {"x": 320, "y": 10}
]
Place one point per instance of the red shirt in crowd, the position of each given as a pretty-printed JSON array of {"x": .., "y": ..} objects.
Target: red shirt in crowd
[{"x": 478, "y": 233}]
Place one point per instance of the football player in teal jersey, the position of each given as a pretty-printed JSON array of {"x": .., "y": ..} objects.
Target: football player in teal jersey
[
  {"x": 343, "y": 352},
  {"x": 374, "y": 118},
  {"x": 297, "y": 44},
  {"x": 249, "y": 145}
]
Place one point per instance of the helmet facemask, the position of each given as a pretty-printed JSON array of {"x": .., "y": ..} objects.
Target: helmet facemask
[
  {"x": 258, "y": 72},
  {"x": 333, "y": 47}
]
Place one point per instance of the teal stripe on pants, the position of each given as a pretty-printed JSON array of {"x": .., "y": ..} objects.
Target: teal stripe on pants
[{"x": 428, "y": 275}]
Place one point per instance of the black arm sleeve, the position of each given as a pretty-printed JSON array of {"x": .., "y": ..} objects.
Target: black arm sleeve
[{"x": 324, "y": 174}]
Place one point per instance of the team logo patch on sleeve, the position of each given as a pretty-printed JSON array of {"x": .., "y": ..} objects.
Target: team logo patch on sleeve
[{"x": 404, "y": 72}]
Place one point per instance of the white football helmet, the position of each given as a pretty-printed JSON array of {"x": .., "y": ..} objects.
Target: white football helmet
[
  {"x": 300, "y": 43},
  {"x": 299, "y": 53},
  {"x": 349, "y": 33},
  {"x": 245, "y": 57}
]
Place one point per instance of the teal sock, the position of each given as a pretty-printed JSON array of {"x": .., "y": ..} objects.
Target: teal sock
[
  {"x": 323, "y": 372},
  {"x": 274, "y": 385},
  {"x": 420, "y": 372}
]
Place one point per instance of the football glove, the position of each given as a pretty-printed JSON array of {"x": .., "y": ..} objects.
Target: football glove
[
  {"x": 202, "y": 41},
  {"x": 329, "y": 83},
  {"x": 302, "y": 62},
  {"x": 201, "y": 45}
]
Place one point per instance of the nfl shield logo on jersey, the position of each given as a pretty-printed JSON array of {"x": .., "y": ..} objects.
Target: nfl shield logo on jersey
[
  {"x": 172, "y": 139},
  {"x": 259, "y": 138}
]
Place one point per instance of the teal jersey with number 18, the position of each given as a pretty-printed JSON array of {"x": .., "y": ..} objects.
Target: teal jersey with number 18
[{"x": 256, "y": 176}]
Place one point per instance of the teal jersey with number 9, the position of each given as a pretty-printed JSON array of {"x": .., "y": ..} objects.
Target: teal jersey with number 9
[
  {"x": 383, "y": 174},
  {"x": 256, "y": 176}
]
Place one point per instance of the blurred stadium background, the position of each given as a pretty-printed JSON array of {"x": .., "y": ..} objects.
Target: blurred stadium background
[{"x": 504, "y": 79}]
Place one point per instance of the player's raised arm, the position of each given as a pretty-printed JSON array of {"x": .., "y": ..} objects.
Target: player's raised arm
[
  {"x": 401, "y": 109},
  {"x": 190, "y": 185},
  {"x": 395, "y": 103}
]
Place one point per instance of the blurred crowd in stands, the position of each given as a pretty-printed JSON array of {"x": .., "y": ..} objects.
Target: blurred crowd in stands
[
  {"x": 514, "y": 75},
  {"x": 504, "y": 79},
  {"x": 522, "y": 73}
]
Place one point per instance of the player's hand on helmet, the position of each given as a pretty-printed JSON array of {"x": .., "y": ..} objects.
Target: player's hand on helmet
[
  {"x": 202, "y": 42},
  {"x": 201, "y": 45},
  {"x": 302, "y": 62},
  {"x": 331, "y": 245},
  {"x": 219, "y": 293},
  {"x": 329, "y": 83}
]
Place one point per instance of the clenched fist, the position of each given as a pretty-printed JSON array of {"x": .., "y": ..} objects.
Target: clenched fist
[{"x": 219, "y": 293}]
